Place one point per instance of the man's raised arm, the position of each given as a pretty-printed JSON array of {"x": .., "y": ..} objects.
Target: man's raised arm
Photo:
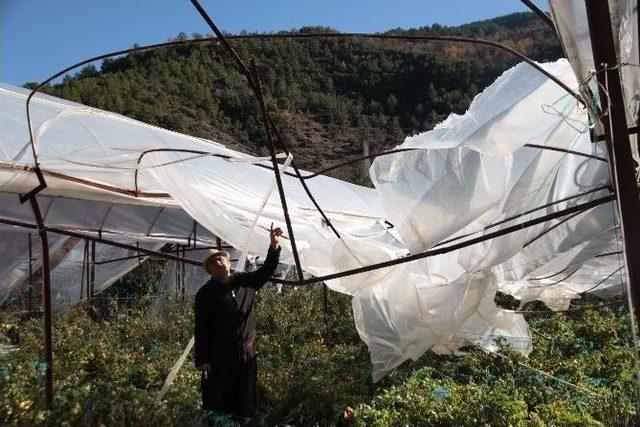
[{"x": 257, "y": 279}]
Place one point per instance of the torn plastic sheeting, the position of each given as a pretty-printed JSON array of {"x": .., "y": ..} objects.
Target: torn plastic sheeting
[
  {"x": 471, "y": 171},
  {"x": 570, "y": 19},
  {"x": 456, "y": 185}
]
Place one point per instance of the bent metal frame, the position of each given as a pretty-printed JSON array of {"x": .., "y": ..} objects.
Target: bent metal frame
[{"x": 612, "y": 117}]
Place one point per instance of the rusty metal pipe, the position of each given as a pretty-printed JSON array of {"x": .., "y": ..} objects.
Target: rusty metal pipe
[{"x": 46, "y": 292}]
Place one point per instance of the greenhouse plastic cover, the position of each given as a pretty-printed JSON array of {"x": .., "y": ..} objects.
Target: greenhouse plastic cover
[
  {"x": 570, "y": 18},
  {"x": 472, "y": 170}
]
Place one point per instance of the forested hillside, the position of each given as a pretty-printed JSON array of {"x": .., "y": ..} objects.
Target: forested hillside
[{"x": 329, "y": 95}]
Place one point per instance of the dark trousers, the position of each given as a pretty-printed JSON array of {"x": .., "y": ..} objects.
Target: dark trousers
[{"x": 232, "y": 386}]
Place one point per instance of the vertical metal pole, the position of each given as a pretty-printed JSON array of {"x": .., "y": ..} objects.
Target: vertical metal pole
[
  {"x": 276, "y": 168},
  {"x": 46, "y": 292},
  {"x": 93, "y": 268},
  {"x": 183, "y": 271},
  {"x": 637, "y": 121},
  {"x": 219, "y": 243},
  {"x": 614, "y": 120},
  {"x": 30, "y": 305},
  {"x": 176, "y": 276},
  {"x": 615, "y": 125},
  {"x": 83, "y": 271},
  {"x": 253, "y": 80},
  {"x": 86, "y": 260},
  {"x": 325, "y": 306}
]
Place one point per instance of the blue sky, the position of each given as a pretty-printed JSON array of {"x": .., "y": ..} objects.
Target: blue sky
[{"x": 40, "y": 37}]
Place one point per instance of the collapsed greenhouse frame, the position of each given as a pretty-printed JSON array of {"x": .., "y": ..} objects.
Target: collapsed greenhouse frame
[{"x": 615, "y": 133}]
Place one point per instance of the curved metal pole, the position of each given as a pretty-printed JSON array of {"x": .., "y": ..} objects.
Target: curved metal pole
[
  {"x": 434, "y": 252},
  {"x": 357, "y": 159},
  {"x": 527, "y": 212},
  {"x": 254, "y": 82},
  {"x": 430, "y": 253},
  {"x": 564, "y": 278},
  {"x": 329, "y": 168},
  {"x": 42, "y": 183},
  {"x": 400, "y": 150},
  {"x": 245, "y": 71},
  {"x": 253, "y": 79},
  {"x": 602, "y": 281},
  {"x": 137, "y": 193},
  {"x": 174, "y": 150},
  {"x": 420, "y": 38},
  {"x": 551, "y": 275},
  {"x": 187, "y": 150},
  {"x": 565, "y": 150},
  {"x": 553, "y": 227}
]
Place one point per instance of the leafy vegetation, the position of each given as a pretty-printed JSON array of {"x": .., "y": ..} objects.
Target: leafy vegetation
[
  {"x": 581, "y": 372},
  {"x": 108, "y": 369}
]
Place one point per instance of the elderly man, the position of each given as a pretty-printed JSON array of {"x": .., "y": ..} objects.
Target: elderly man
[{"x": 225, "y": 332}]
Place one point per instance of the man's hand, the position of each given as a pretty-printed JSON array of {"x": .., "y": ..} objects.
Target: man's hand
[
  {"x": 275, "y": 236},
  {"x": 205, "y": 368}
]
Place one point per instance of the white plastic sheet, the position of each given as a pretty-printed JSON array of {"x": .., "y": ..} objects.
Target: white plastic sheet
[
  {"x": 570, "y": 19},
  {"x": 467, "y": 173}
]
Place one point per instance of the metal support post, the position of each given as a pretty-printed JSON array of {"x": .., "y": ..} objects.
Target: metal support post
[
  {"x": 615, "y": 125},
  {"x": 46, "y": 293}
]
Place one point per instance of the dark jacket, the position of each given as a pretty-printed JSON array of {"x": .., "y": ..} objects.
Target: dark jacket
[{"x": 224, "y": 313}]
